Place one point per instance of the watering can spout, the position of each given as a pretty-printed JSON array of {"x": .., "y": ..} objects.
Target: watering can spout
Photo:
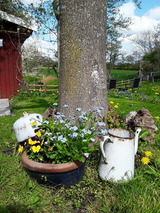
[{"x": 136, "y": 139}]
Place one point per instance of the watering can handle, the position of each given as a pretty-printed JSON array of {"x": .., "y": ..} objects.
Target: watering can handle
[
  {"x": 136, "y": 140},
  {"x": 102, "y": 147}
]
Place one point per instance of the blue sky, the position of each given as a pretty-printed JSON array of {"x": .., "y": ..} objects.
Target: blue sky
[
  {"x": 147, "y": 5},
  {"x": 142, "y": 20},
  {"x": 145, "y": 19}
]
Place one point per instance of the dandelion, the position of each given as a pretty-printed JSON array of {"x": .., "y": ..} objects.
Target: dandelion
[
  {"x": 111, "y": 102},
  {"x": 20, "y": 149},
  {"x": 148, "y": 153},
  {"x": 116, "y": 106},
  {"x": 156, "y": 93},
  {"x": 156, "y": 117},
  {"x": 38, "y": 133},
  {"x": 145, "y": 160},
  {"x": 36, "y": 148}
]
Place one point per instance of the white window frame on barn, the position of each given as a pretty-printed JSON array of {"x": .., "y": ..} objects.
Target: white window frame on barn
[{"x": 1, "y": 42}]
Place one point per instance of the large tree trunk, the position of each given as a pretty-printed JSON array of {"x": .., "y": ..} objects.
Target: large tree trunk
[{"x": 82, "y": 77}]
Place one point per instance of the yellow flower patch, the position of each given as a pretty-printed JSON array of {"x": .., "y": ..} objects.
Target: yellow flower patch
[
  {"x": 36, "y": 148},
  {"x": 50, "y": 148},
  {"x": 148, "y": 153},
  {"x": 31, "y": 142},
  {"x": 156, "y": 117},
  {"x": 145, "y": 160},
  {"x": 38, "y": 133},
  {"x": 111, "y": 102},
  {"x": 20, "y": 149},
  {"x": 34, "y": 123}
]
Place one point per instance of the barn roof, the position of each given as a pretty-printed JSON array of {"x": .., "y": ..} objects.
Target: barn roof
[{"x": 30, "y": 24}]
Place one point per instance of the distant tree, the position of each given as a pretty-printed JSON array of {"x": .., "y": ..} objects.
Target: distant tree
[
  {"x": 33, "y": 60},
  {"x": 151, "y": 61},
  {"x": 148, "y": 41}
]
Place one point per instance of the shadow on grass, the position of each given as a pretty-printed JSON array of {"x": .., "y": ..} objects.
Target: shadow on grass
[
  {"x": 38, "y": 103},
  {"x": 16, "y": 208}
]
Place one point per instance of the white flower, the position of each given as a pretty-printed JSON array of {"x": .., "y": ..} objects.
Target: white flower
[
  {"x": 83, "y": 117},
  {"x": 65, "y": 106},
  {"x": 73, "y": 128},
  {"x": 48, "y": 133},
  {"x": 46, "y": 122},
  {"x": 86, "y": 155},
  {"x": 74, "y": 135},
  {"x": 61, "y": 138},
  {"x": 101, "y": 124},
  {"x": 67, "y": 125},
  {"x": 78, "y": 109},
  {"x": 103, "y": 132},
  {"x": 86, "y": 131}
]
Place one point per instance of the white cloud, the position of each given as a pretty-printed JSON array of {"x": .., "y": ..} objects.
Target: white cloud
[
  {"x": 154, "y": 13},
  {"x": 35, "y": 2},
  {"x": 139, "y": 24},
  {"x": 127, "y": 9},
  {"x": 47, "y": 48}
]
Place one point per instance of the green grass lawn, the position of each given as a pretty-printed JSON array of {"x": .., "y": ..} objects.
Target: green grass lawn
[{"x": 20, "y": 194}]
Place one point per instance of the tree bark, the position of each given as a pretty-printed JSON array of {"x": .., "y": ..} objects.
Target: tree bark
[{"x": 82, "y": 77}]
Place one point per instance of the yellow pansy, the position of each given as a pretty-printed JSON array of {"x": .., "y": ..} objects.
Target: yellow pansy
[
  {"x": 36, "y": 148},
  {"x": 50, "y": 148},
  {"x": 156, "y": 93},
  {"x": 148, "y": 153},
  {"x": 145, "y": 160},
  {"x": 34, "y": 123},
  {"x": 20, "y": 149},
  {"x": 38, "y": 133},
  {"x": 31, "y": 142}
]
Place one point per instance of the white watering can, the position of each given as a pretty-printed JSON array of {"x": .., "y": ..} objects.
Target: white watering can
[
  {"x": 24, "y": 128},
  {"x": 118, "y": 155}
]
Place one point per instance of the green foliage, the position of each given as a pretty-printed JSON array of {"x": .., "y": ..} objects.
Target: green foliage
[
  {"x": 151, "y": 61},
  {"x": 62, "y": 140},
  {"x": 124, "y": 74}
]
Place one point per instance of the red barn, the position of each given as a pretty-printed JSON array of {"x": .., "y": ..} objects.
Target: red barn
[{"x": 13, "y": 32}]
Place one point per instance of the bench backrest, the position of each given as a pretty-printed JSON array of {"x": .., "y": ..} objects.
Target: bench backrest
[
  {"x": 136, "y": 82},
  {"x": 112, "y": 84}
]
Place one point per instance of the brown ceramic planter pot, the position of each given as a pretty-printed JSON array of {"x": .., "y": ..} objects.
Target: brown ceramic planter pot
[{"x": 54, "y": 174}]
